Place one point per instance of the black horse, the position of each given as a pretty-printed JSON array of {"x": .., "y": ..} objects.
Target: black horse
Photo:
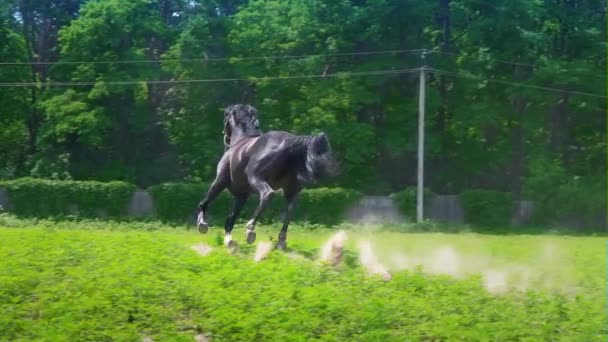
[{"x": 256, "y": 162}]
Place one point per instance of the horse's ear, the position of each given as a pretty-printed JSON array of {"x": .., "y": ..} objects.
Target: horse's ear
[
  {"x": 227, "y": 125},
  {"x": 228, "y": 111},
  {"x": 252, "y": 110}
]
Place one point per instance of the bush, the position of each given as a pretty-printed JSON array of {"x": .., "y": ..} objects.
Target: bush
[
  {"x": 176, "y": 202},
  {"x": 325, "y": 205},
  {"x": 42, "y": 198},
  {"x": 577, "y": 202},
  {"x": 406, "y": 200},
  {"x": 487, "y": 208},
  {"x": 565, "y": 200}
]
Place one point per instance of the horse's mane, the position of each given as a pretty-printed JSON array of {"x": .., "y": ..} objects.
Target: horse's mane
[{"x": 227, "y": 114}]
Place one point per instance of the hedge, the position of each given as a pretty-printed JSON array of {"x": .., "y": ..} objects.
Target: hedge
[
  {"x": 573, "y": 203},
  {"x": 487, "y": 208},
  {"x": 176, "y": 201},
  {"x": 406, "y": 200},
  {"x": 42, "y": 197}
]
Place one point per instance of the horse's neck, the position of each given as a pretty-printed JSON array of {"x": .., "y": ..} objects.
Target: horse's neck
[{"x": 238, "y": 136}]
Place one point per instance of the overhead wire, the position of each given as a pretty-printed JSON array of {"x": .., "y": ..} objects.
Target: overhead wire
[
  {"x": 518, "y": 84},
  {"x": 211, "y": 80},
  {"x": 500, "y": 61},
  {"x": 214, "y": 59},
  {"x": 250, "y": 78}
]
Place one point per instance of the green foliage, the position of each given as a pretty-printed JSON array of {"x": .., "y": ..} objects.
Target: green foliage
[
  {"x": 406, "y": 200},
  {"x": 112, "y": 132},
  {"x": 487, "y": 208},
  {"x": 126, "y": 285},
  {"x": 323, "y": 205},
  {"x": 479, "y": 133},
  {"x": 13, "y": 103},
  {"x": 52, "y": 167},
  {"x": 564, "y": 200},
  {"x": 176, "y": 202},
  {"x": 43, "y": 198},
  {"x": 579, "y": 199}
]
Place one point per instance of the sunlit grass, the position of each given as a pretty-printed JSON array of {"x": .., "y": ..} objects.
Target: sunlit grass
[{"x": 98, "y": 281}]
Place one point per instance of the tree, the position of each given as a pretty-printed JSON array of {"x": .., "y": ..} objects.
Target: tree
[
  {"x": 13, "y": 103},
  {"x": 111, "y": 131}
]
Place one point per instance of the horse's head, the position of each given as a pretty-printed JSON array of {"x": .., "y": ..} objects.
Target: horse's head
[{"x": 242, "y": 120}]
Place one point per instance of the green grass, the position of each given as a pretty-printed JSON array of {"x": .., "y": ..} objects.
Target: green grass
[{"x": 96, "y": 281}]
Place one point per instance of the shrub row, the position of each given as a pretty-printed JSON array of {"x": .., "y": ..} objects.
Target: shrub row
[
  {"x": 406, "y": 200},
  {"x": 575, "y": 202},
  {"x": 568, "y": 205},
  {"x": 481, "y": 207},
  {"x": 42, "y": 197},
  {"x": 175, "y": 201},
  {"x": 487, "y": 208}
]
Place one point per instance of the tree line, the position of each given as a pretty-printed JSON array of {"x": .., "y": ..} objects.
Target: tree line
[{"x": 104, "y": 90}]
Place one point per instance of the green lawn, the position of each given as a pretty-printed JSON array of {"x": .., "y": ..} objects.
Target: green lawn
[{"x": 97, "y": 281}]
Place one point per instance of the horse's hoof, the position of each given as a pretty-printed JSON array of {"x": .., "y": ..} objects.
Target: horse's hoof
[
  {"x": 282, "y": 245},
  {"x": 203, "y": 227},
  {"x": 233, "y": 247},
  {"x": 251, "y": 235}
]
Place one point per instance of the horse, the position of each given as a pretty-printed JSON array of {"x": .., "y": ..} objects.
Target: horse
[{"x": 264, "y": 163}]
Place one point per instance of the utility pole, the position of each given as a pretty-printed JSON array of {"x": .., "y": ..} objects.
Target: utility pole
[{"x": 421, "y": 101}]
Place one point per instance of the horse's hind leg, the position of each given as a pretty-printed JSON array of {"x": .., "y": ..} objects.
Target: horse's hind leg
[
  {"x": 266, "y": 193},
  {"x": 290, "y": 197},
  {"x": 237, "y": 206},
  {"x": 219, "y": 184}
]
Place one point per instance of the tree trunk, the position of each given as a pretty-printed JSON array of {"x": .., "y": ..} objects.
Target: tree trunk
[
  {"x": 28, "y": 35},
  {"x": 559, "y": 123},
  {"x": 520, "y": 104},
  {"x": 443, "y": 113}
]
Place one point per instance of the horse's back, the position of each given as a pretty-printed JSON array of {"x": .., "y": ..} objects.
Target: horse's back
[{"x": 273, "y": 156}]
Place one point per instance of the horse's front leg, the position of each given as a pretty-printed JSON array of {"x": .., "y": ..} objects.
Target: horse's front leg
[
  {"x": 290, "y": 197},
  {"x": 237, "y": 206},
  {"x": 219, "y": 184},
  {"x": 266, "y": 193}
]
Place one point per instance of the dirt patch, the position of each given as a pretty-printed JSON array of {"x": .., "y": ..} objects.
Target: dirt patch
[
  {"x": 368, "y": 260},
  {"x": 262, "y": 250},
  {"x": 201, "y": 338},
  {"x": 202, "y": 249},
  {"x": 332, "y": 250}
]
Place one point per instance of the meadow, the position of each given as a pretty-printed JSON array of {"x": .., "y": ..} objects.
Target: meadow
[{"x": 112, "y": 281}]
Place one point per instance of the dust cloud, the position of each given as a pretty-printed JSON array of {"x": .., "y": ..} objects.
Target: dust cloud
[
  {"x": 497, "y": 276},
  {"x": 261, "y": 251},
  {"x": 368, "y": 260},
  {"x": 332, "y": 250},
  {"x": 202, "y": 249}
]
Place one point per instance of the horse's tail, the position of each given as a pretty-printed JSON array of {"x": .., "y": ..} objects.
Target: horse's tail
[{"x": 320, "y": 162}]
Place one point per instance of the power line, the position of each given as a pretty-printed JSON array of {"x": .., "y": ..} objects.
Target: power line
[
  {"x": 272, "y": 78},
  {"x": 523, "y": 85},
  {"x": 502, "y": 61},
  {"x": 363, "y": 53},
  {"x": 211, "y": 80}
]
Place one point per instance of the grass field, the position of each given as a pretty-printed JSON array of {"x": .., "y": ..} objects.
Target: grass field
[{"x": 95, "y": 281}]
